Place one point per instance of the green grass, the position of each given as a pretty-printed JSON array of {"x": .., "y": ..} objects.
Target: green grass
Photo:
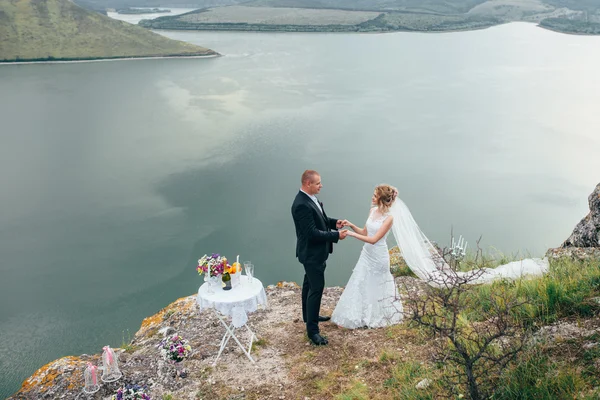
[
  {"x": 537, "y": 377},
  {"x": 259, "y": 343},
  {"x": 398, "y": 266},
  {"x": 358, "y": 391},
  {"x": 168, "y": 314},
  {"x": 566, "y": 290},
  {"x": 404, "y": 378},
  {"x": 126, "y": 343}
]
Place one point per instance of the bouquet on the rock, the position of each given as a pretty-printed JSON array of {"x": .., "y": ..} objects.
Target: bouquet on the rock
[
  {"x": 131, "y": 392},
  {"x": 174, "y": 348}
]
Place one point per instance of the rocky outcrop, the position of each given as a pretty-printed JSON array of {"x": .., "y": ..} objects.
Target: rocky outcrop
[
  {"x": 587, "y": 231},
  {"x": 141, "y": 364},
  {"x": 287, "y": 365},
  {"x": 574, "y": 253},
  {"x": 285, "y": 360}
]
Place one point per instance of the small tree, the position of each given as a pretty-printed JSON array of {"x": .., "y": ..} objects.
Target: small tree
[{"x": 478, "y": 338}]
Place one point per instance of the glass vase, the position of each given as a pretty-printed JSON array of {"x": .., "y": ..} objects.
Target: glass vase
[
  {"x": 214, "y": 283},
  {"x": 110, "y": 365},
  {"x": 90, "y": 376},
  {"x": 207, "y": 281}
]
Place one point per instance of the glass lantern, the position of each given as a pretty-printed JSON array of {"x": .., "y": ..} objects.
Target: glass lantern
[
  {"x": 90, "y": 376},
  {"x": 110, "y": 366}
]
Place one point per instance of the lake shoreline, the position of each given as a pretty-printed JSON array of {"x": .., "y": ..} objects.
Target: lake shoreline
[
  {"x": 104, "y": 59},
  {"x": 341, "y": 31},
  {"x": 566, "y": 32}
]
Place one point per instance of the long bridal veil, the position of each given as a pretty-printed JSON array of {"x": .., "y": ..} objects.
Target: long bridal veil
[{"x": 425, "y": 261}]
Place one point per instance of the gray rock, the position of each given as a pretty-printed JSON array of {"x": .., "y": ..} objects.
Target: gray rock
[
  {"x": 166, "y": 331},
  {"x": 587, "y": 231},
  {"x": 424, "y": 384},
  {"x": 574, "y": 253}
]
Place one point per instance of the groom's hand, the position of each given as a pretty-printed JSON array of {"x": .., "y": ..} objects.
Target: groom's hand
[
  {"x": 343, "y": 234},
  {"x": 339, "y": 224}
]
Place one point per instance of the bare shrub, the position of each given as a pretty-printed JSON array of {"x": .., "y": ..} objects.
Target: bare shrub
[{"x": 473, "y": 340}]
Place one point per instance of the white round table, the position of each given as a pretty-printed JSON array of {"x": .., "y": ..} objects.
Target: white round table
[{"x": 235, "y": 303}]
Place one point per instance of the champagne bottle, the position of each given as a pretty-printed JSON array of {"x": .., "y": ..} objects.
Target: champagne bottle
[{"x": 227, "y": 281}]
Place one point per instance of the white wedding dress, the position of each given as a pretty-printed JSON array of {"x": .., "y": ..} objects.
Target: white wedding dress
[{"x": 370, "y": 298}]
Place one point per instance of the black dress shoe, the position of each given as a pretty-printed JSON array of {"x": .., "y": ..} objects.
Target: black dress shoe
[
  {"x": 318, "y": 340},
  {"x": 322, "y": 318}
]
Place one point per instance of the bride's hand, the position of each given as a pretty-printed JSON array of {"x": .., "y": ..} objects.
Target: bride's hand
[{"x": 346, "y": 223}]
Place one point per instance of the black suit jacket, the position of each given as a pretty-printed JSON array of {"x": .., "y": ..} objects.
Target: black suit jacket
[{"x": 314, "y": 238}]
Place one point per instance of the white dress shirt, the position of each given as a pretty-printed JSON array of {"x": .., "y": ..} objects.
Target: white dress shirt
[{"x": 314, "y": 198}]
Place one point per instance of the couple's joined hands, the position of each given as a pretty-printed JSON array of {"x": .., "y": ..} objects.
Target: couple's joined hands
[
  {"x": 342, "y": 223},
  {"x": 344, "y": 232}
]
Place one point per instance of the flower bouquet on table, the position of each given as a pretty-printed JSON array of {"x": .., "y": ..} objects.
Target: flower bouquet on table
[
  {"x": 175, "y": 349},
  {"x": 215, "y": 266},
  {"x": 131, "y": 392},
  {"x": 212, "y": 267}
]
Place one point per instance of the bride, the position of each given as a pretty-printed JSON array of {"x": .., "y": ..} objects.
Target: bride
[{"x": 370, "y": 298}]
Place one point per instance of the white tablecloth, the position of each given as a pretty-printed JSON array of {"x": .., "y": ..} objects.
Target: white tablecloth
[{"x": 235, "y": 303}]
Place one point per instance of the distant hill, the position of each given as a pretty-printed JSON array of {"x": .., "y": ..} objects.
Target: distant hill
[
  {"x": 39, "y": 30},
  {"x": 569, "y": 16},
  {"x": 104, "y": 4},
  {"x": 434, "y": 6}
]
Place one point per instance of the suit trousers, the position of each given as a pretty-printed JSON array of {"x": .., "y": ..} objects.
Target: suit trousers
[{"x": 312, "y": 291}]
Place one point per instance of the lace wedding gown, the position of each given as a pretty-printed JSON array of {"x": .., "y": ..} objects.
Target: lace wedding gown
[{"x": 370, "y": 298}]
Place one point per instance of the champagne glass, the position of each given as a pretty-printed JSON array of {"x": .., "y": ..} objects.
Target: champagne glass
[{"x": 249, "y": 268}]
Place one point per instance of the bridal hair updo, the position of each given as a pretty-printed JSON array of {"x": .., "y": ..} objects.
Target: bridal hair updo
[{"x": 386, "y": 195}]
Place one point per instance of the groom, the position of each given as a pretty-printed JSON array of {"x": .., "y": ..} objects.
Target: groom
[{"x": 315, "y": 235}]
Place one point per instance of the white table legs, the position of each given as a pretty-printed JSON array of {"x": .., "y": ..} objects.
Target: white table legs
[{"x": 230, "y": 333}]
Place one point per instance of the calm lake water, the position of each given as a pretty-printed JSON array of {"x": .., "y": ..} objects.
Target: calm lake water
[{"x": 117, "y": 176}]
